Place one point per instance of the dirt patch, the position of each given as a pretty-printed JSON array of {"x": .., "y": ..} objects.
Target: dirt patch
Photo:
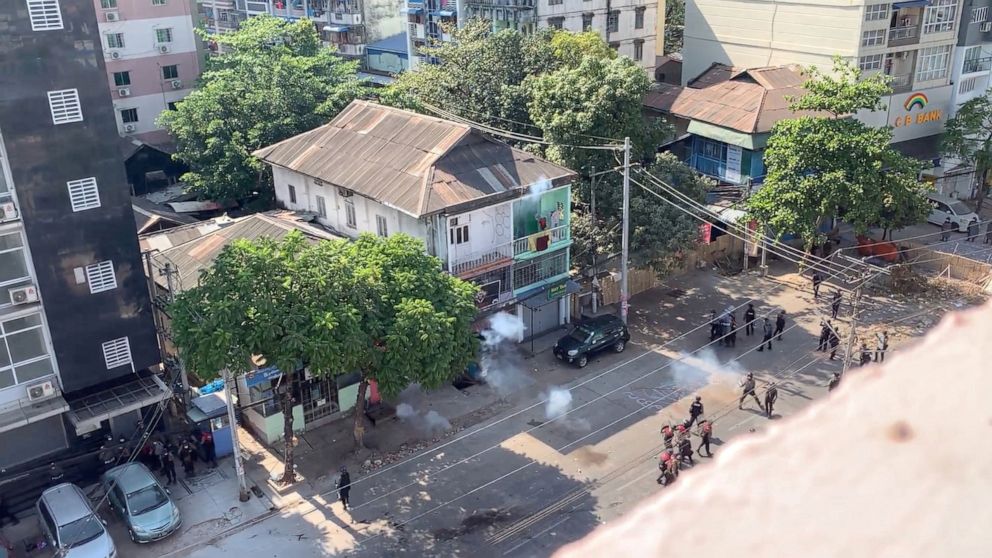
[
  {"x": 588, "y": 456},
  {"x": 478, "y": 521}
]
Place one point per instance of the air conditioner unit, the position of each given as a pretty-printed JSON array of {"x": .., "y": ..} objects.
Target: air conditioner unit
[
  {"x": 986, "y": 27},
  {"x": 41, "y": 391},
  {"x": 163, "y": 49},
  {"x": 176, "y": 83},
  {"x": 112, "y": 16},
  {"x": 129, "y": 127},
  {"x": 123, "y": 91},
  {"x": 115, "y": 54},
  {"x": 23, "y": 295},
  {"x": 8, "y": 211}
]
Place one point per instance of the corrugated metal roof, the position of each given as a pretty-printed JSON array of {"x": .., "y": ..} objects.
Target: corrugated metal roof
[
  {"x": 749, "y": 101},
  {"x": 415, "y": 163},
  {"x": 147, "y": 214}
]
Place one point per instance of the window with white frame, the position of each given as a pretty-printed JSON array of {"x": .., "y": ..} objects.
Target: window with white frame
[
  {"x": 458, "y": 234},
  {"x": 117, "y": 352},
  {"x": 876, "y": 12},
  {"x": 933, "y": 63},
  {"x": 321, "y": 207},
  {"x": 556, "y": 22},
  {"x": 350, "y": 218},
  {"x": 45, "y": 15},
  {"x": 292, "y": 193},
  {"x": 13, "y": 260},
  {"x": 65, "y": 106},
  {"x": 980, "y": 15},
  {"x": 24, "y": 355},
  {"x": 129, "y": 116},
  {"x": 874, "y": 37},
  {"x": 163, "y": 35},
  {"x": 115, "y": 40},
  {"x": 83, "y": 194},
  {"x": 968, "y": 84},
  {"x": 108, "y": 4},
  {"x": 938, "y": 17},
  {"x": 101, "y": 277},
  {"x": 871, "y": 62},
  {"x": 380, "y": 226}
]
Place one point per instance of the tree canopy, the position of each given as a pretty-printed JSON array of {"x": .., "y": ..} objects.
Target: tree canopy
[
  {"x": 831, "y": 164},
  {"x": 968, "y": 136},
  {"x": 674, "y": 25},
  {"x": 272, "y": 81},
  {"x": 378, "y": 306}
]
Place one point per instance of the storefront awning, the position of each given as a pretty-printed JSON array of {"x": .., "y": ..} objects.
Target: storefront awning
[
  {"x": 910, "y": 4},
  {"x": 445, "y": 13},
  {"x": 336, "y": 28},
  {"x": 25, "y": 412},
  {"x": 87, "y": 413},
  {"x": 549, "y": 293}
]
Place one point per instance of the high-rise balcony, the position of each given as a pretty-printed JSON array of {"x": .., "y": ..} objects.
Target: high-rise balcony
[
  {"x": 905, "y": 29},
  {"x": 541, "y": 223},
  {"x": 975, "y": 65},
  {"x": 470, "y": 265}
]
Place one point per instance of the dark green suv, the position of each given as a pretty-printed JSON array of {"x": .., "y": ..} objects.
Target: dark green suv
[{"x": 590, "y": 337}]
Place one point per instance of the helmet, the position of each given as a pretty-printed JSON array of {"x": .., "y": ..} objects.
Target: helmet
[{"x": 698, "y": 398}]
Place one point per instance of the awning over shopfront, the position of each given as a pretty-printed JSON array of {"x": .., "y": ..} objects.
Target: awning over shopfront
[
  {"x": 549, "y": 293},
  {"x": 445, "y": 13},
  {"x": 25, "y": 412},
  {"x": 87, "y": 413}
]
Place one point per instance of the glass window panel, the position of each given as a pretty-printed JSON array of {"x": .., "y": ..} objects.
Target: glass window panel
[
  {"x": 6, "y": 378},
  {"x": 4, "y": 357},
  {"x": 33, "y": 371},
  {"x": 11, "y": 326},
  {"x": 26, "y": 345},
  {"x": 13, "y": 266},
  {"x": 9, "y": 241}
]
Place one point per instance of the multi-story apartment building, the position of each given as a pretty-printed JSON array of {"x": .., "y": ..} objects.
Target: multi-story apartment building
[
  {"x": 973, "y": 56},
  {"x": 152, "y": 60},
  {"x": 911, "y": 41},
  {"x": 627, "y": 25},
  {"x": 76, "y": 329},
  {"x": 492, "y": 214},
  {"x": 349, "y": 25}
]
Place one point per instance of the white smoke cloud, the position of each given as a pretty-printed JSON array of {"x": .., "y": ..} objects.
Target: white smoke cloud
[
  {"x": 536, "y": 189},
  {"x": 430, "y": 424},
  {"x": 693, "y": 371},
  {"x": 501, "y": 364},
  {"x": 504, "y": 327},
  {"x": 559, "y": 403}
]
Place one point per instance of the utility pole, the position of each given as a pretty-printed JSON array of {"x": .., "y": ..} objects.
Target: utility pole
[
  {"x": 625, "y": 250},
  {"x": 168, "y": 272},
  {"x": 243, "y": 494},
  {"x": 592, "y": 211},
  {"x": 854, "y": 323}
]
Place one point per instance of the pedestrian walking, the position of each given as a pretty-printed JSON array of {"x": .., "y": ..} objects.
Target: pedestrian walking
[
  {"x": 771, "y": 396},
  {"x": 824, "y": 335},
  {"x": 780, "y": 324},
  {"x": 685, "y": 450},
  {"x": 988, "y": 233},
  {"x": 865, "y": 354},
  {"x": 705, "y": 432},
  {"x": 945, "y": 229},
  {"x": 667, "y": 435},
  {"x": 732, "y": 336},
  {"x": 695, "y": 411},
  {"x": 767, "y": 328},
  {"x": 209, "y": 449},
  {"x": 747, "y": 388},
  {"x": 749, "y": 319},
  {"x": 6, "y": 514},
  {"x": 169, "y": 466},
  {"x": 186, "y": 455},
  {"x": 817, "y": 279},
  {"x": 835, "y": 304},
  {"x": 973, "y": 229},
  {"x": 834, "y": 381},
  {"x": 158, "y": 450},
  {"x": 881, "y": 345},
  {"x": 714, "y": 326},
  {"x": 834, "y": 341},
  {"x": 344, "y": 486}
]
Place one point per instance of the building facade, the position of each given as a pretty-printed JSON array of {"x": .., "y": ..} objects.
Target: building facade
[
  {"x": 627, "y": 25},
  {"x": 152, "y": 60},
  {"x": 493, "y": 215},
  {"x": 973, "y": 56},
  {"x": 75, "y": 314}
]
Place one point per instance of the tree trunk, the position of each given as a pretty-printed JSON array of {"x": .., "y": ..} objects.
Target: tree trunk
[
  {"x": 289, "y": 473},
  {"x": 359, "y": 432},
  {"x": 982, "y": 177}
]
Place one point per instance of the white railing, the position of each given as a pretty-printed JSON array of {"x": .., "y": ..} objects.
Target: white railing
[
  {"x": 557, "y": 234},
  {"x": 902, "y": 33},
  {"x": 462, "y": 264}
]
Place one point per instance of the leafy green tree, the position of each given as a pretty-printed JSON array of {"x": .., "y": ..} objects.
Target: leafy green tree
[
  {"x": 830, "y": 164},
  {"x": 273, "y": 81},
  {"x": 968, "y": 136},
  {"x": 674, "y": 25},
  {"x": 263, "y": 303}
]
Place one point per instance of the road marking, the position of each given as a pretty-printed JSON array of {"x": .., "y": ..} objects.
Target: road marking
[
  {"x": 536, "y": 535},
  {"x": 639, "y": 477}
]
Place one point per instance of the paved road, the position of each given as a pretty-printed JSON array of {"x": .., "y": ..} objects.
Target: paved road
[{"x": 529, "y": 485}]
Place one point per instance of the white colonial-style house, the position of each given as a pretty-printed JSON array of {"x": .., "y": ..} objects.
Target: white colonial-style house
[{"x": 494, "y": 215}]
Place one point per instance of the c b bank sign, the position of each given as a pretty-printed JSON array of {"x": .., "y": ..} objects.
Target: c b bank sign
[
  {"x": 914, "y": 114},
  {"x": 917, "y": 111}
]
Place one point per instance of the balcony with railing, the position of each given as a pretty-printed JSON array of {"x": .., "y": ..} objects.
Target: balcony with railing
[
  {"x": 541, "y": 223},
  {"x": 543, "y": 241},
  {"x": 512, "y": 4},
  {"x": 906, "y": 31},
  {"x": 975, "y": 65},
  {"x": 545, "y": 268},
  {"x": 483, "y": 261}
]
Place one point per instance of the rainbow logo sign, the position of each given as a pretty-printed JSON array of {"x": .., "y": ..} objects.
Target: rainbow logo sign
[{"x": 916, "y": 100}]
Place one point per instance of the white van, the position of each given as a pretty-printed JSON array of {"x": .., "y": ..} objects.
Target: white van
[
  {"x": 944, "y": 207},
  {"x": 70, "y": 525}
]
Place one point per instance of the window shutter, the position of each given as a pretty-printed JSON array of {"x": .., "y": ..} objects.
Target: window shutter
[
  {"x": 83, "y": 194},
  {"x": 101, "y": 277},
  {"x": 117, "y": 352},
  {"x": 65, "y": 107},
  {"x": 45, "y": 15}
]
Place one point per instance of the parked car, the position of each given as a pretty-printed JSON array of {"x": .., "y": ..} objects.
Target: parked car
[
  {"x": 70, "y": 525},
  {"x": 590, "y": 337},
  {"x": 944, "y": 207},
  {"x": 141, "y": 502}
]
